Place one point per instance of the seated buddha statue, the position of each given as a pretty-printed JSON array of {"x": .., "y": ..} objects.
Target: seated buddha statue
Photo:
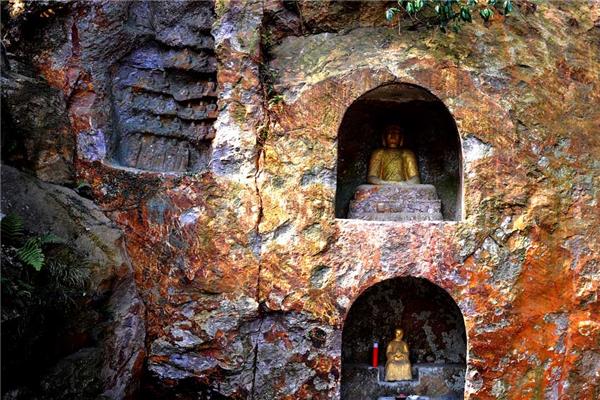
[
  {"x": 397, "y": 366},
  {"x": 393, "y": 164},
  {"x": 393, "y": 191}
]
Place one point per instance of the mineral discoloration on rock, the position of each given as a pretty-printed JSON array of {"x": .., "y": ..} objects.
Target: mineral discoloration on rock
[{"x": 247, "y": 274}]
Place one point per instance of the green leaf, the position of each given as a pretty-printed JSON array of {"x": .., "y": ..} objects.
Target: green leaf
[
  {"x": 465, "y": 14},
  {"x": 12, "y": 227},
  {"x": 486, "y": 14},
  {"x": 453, "y": 13},
  {"x": 390, "y": 12},
  {"x": 31, "y": 254},
  {"x": 50, "y": 238}
]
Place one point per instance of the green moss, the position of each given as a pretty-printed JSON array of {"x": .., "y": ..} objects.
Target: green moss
[
  {"x": 254, "y": 41},
  {"x": 277, "y": 182},
  {"x": 102, "y": 246},
  {"x": 238, "y": 113},
  {"x": 535, "y": 376},
  {"x": 220, "y": 7}
]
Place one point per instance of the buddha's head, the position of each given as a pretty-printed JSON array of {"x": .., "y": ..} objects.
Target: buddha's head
[
  {"x": 399, "y": 333},
  {"x": 392, "y": 136}
]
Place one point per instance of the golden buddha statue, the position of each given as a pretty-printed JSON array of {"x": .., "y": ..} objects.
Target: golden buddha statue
[
  {"x": 397, "y": 366},
  {"x": 392, "y": 164}
]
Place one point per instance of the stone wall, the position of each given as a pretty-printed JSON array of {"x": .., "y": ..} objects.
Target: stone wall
[{"x": 246, "y": 272}]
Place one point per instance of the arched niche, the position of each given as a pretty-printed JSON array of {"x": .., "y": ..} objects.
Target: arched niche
[
  {"x": 429, "y": 129},
  {"x": 434, "y": 330}
]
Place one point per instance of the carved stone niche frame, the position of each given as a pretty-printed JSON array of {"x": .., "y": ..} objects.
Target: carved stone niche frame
[
  {"x": 434, "y": 329},
  {"x": 429, "y": 130}
]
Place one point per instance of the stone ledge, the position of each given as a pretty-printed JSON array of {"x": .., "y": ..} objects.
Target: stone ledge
[
  {"x": 430, "y": 381},
  {"x": 395, "y": 203},
  {"x": 401, "y": 216}
]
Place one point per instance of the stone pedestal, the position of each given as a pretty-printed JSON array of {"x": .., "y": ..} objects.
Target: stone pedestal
[
  {"x": 396, "y": 203},
  {"x": 430, "y": 382}
]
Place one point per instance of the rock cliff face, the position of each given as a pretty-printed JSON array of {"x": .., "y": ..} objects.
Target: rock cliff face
[
  {"x": 102, "y": 352},
  {"x": 229, "y": 213}
]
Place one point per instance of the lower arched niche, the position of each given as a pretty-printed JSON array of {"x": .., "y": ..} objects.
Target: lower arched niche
[{"x": 433, "y": 329}]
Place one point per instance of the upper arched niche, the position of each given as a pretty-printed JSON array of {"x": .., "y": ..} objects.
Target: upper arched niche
[{"x": 429, "y": 130}]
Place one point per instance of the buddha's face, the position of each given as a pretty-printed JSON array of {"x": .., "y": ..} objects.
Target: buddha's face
[
  {"x": 399, "y": 333},
  {"x": 393, "y": 137}
]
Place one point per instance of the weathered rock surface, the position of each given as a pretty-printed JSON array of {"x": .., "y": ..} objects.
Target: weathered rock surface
[
  {"x": 112, "y": 366},
  {"x": 247, "y": 274},
  {"x": 164, "y": 91},
  {"x": 35, "y": 125}
]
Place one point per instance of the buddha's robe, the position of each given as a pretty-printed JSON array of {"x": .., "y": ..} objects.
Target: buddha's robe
[
  {"x": 397, "y": 366},
  {"x": 395, "y": 165}
]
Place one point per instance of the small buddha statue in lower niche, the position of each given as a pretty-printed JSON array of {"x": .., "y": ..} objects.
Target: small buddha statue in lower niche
[{"x": 397, "y": 366}]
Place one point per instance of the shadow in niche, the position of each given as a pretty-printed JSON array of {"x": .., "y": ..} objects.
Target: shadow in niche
[
  {"x": 433, "y": 329},
  {"x": 429, "y": 129}
]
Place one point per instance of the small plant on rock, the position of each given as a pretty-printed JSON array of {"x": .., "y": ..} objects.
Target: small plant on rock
[
  {"x": 449, "y": 13},
  {"x": 44, "y": 297},
  {"x": 30, "y": 251}
]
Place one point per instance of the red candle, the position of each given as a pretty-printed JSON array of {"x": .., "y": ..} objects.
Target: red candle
[{"x": 375, "y": 354}]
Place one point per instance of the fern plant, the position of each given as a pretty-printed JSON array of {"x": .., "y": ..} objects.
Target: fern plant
[
  {"x": 12, "y": 227},
  {"x": 31, "y": 252},
  {"x": 44, "y": 294}
]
